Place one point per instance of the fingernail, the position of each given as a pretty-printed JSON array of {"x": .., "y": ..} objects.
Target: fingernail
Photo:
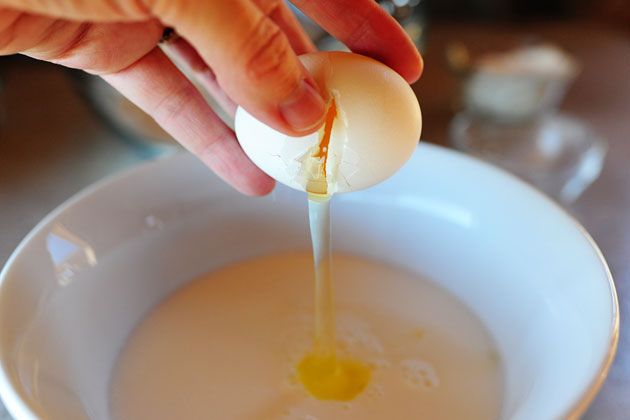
[{"x": 304, "y": 109}]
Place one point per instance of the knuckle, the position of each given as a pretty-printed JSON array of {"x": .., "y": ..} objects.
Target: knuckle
[
  {"x": 171, "y": 106},
  {"x": 210, "y": 148},
  {"x": 363, "y": 27},
  {"x": 268, "y": 7},
  {"x": 9, "y": 31},
  {"x": 268, "y": 54}
]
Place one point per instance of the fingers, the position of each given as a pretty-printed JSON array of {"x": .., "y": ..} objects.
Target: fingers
[
  {"x": 279, "y": 12},
  {"x": 157, "y": 87},
  {"x": 367, "y": 29},
  {"x": 184, "y": 54},
  {"x": 254, "y": 63},
  {"x": 180, "y": 50},
  {"x": 91, "y": 11},
  {"x": 96, "y": 48}
]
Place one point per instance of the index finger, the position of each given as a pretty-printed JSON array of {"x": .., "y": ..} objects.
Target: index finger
[
  {"x": 367, "y": 29},
  {"x": 252, "y": 58}
]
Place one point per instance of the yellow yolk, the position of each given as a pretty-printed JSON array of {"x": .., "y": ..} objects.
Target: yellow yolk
[{"x": 331, "y": 378}]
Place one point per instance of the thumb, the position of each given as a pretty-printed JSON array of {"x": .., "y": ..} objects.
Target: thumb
[{"x": 252, "y": 59}]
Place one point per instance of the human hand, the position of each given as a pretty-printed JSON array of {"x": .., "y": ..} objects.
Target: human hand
[{"x": 243, "y": 51}]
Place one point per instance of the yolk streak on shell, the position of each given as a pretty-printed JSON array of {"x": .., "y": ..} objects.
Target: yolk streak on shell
[{"x": 329, "y": 120}]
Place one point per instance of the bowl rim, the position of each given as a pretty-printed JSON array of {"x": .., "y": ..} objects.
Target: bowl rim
[
  {"x": 19, "y": 407},
  {"x": 584, "y": 400},
  {"x": 16, "y": 404}
]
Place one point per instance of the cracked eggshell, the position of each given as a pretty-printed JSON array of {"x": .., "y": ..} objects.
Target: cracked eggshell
[{"x": 376, "y": 131}]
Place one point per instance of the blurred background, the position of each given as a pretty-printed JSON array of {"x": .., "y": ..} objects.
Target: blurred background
[{"x": 538, "y": 87}]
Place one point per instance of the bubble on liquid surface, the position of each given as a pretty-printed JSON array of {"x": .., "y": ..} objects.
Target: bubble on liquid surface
[
  {"x": 294, "y": 415},
  {"x": 381, "y": 363},
  {"x": 356, "y": 335},
  {"x": 298, "y": 337},
  {"x": 151, "y": 221},
  {"x": 355, "y": 341},
  {"x": 375, "y": 391},
  {"x": 419, "y": 374}
]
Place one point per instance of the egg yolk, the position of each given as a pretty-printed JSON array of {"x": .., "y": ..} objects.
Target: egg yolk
[{"x": 332, "y": 378}]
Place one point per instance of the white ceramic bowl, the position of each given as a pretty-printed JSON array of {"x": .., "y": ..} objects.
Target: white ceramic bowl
[{"x": 85, "y": 276}]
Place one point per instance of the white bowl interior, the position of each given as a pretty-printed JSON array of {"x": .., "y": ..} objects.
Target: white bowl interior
[{"x": 87, "y": 275}]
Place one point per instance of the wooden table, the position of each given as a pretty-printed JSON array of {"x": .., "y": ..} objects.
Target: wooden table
[{"x": 51, "y": 146}]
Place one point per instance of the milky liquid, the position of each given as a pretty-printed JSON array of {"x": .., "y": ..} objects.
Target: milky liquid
[{"x": 226, "y": 346}]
